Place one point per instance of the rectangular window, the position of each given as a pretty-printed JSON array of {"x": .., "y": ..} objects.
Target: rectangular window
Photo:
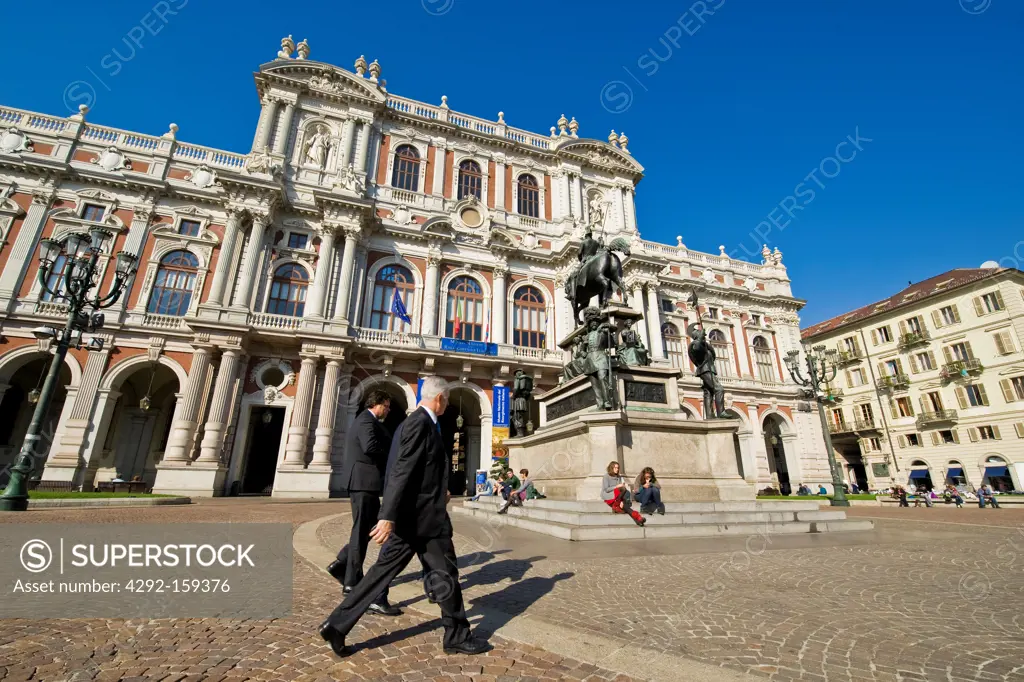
[
  {"x": 892, "y": 367},
  {"x": 914, "y": 325},
  {"x": 857, "y": 377},
  {"x": 875, "y": 444},
  {"x": 924, "y": 361},
  {"x": 904, "y": 407},
  {"x": 884, "y": 334},
  {"x": 946, "y": 436},
  {"x": 667, "y": 306},
  {"x": 713, "y": 313},
  {"x": 297, "y": 240},
  {"x": 93, "y": 212},
  {"x": 1004, "y": 342},
  {"x": 992, "y": 301},
  {"x": 960, "y": 351},
  {"x": 975, "y": 395},
  {"x": 949, "y": 315},
  {"x": 850, "y": 344},
  {"x": 755, "y": 320},
  {"x": 837, "y": 418},
  {"x": 986, "y": 433},
  {"x": 914, "y": 440},
  {"x": 189, "y": 228},
  {"x": 1018, "y": 387},
  {"x": 932, "y": 401},
  {"x": 864, "y": 412}
]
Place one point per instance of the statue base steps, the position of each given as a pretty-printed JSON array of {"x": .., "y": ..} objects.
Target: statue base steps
[{"x": 594, "y": 520}]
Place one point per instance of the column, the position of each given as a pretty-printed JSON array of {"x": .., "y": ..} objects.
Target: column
[
  {"x": 564, "y": 199},
  {"x": 253, "y": 252},
  {"x": 183, "y": 424},
  {"x": 295, "y": 449},
  {"x": 267, "y": 123},
  {"x": 346, "y": 142},
  {"x": 577, "y": 196},
  {"x": 499, "y": 182},
  {"x": 562, "y": 324},
  {"x": 216, "y": 422},
  {"x": 429, "y": 314},
  {"x": 362, "y": 146},
  {"x": 281, "y": 143},
  {"x": 318, "y": 292},
  {"x": 28, "y": 237},
  {"x": 440, "y": 151},
  {"x": 654, "y": 323},
  {"x": 630, "y": 209},
  {"x": 498, "y": 305},
  {"x": 224, "y": 258},
  {"x": 328, "y": 412},
  {"x": 78, "y": 424},
  {"x": 619, "y": 208},
  {"x": 348, "y": 258},
  {"x": 637, "y": 301}
]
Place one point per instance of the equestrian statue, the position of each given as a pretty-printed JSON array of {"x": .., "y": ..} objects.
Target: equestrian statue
[{"x": 599, "y": 273}]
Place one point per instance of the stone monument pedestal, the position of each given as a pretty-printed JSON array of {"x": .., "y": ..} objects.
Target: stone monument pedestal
[{"x": 695, "y": 461}]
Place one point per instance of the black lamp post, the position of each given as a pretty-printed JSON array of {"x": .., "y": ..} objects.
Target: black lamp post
[
  {"x": 81, "y": 253},
  {"x": 821, "y": 369}
]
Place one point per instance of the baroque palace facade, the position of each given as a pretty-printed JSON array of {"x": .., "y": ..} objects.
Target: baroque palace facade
[
  {"x": 932, "y": 382},
  {"x": 264, "y": 305}
]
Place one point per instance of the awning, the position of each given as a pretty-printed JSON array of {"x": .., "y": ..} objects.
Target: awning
[
  {"x": 997, "y": 471},
  {"x": 919, "y": 473},
  {"x": 956, "y": 471}
]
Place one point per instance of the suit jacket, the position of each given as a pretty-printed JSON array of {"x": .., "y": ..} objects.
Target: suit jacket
[
  {"x": 417, "y": 481},
  {"x": 366, "y": 454}
]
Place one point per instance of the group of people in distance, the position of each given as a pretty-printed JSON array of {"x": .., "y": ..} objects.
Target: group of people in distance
[{"x": 984, "y": 495}]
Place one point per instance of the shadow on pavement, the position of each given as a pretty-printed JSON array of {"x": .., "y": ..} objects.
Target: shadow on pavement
[
  {"x": 498, "y": 608},
  {"x": 513, "y": 569}
]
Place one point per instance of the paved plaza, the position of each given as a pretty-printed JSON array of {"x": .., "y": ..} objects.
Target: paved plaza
[{"x": 931, "y": 594}]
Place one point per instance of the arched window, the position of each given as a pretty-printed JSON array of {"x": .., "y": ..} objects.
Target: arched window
[
  {"x": 672, "y": 340},
  {"x": 391, "y": 281},
  {"x": 175, "y": 281},
  {"x": 529, "y": 196},
  {"x": 723, "y": 361},
  {"x": 55, "y": 282},
  {"x": 471, "y": 180},
  {"x": 407, "y": 169},
  {"x": 764, "y": 360},
  {"x": 529, "y": 318},
  {"x": 465, "y": 310},
  {"x": 288, "y": 291}
]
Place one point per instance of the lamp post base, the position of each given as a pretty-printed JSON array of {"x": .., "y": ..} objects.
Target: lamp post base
[
  {"x": 840, "y": 503},
  {"x": 15, "y": 497}
]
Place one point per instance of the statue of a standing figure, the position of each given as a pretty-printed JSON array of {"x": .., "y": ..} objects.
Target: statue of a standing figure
[
  {"x": 594, "y": 360},
  {"x": 702, "y": 355},
  {"x": 522, "y": 387},
  {"x": 317, "y": 148},
  {"x": 631, "y": 351}
]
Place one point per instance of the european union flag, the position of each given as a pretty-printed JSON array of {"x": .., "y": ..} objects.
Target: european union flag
[{"x": 398, "y": 308}]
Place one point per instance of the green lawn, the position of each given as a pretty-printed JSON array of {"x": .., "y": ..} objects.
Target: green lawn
[
  {"x": 36, "y": 495},
  {"x": 859, "y": 496}
]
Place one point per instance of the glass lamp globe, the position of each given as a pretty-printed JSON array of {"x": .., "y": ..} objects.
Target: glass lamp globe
[
  {"x": 33, "y": 396},
  {"x": 145, "y": 403}
]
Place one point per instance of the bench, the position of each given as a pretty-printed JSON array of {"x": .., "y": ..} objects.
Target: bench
[
  {"x": 129, "y": 487},
  {"x": 52, "y": 486}
]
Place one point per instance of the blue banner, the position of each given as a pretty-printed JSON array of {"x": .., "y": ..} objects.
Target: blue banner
[
  {"x": 419, "y": 388},
  {"x": 501, "y": 410},
  {"x": 475, "y": 347}
]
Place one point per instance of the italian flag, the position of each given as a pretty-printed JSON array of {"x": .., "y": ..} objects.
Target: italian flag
[{"x": 457, "y": 326}]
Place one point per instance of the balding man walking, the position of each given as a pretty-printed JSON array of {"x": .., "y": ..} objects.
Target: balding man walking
[{"x": 413, "y": 521}]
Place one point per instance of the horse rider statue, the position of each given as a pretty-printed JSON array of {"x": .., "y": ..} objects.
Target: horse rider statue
[{"x": 599, "y": 273}]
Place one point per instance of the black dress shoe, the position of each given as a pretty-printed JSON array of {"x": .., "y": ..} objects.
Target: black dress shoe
[
  {"x": 335, "y": 639},
  {"x": 470, "y": 646},
  {"x": 346, "y": 589},
  {"x": 384, "y": 608},
  {"x": 337, "y": 570}
]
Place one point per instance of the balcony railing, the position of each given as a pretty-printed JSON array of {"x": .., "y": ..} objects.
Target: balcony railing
[
  {"x": 408, "y": 340},
  {"x": 848, "y": 357},
  {"x": 911, "y": 339},
  {"x": 961, "y": 368},
  {"x": 274, "y": 322},
  {"x": 936, "y": 417},
  {"x": 895, "y": 382},
  {"x": 854, "y": 426},
  {"x": 163, "y": 321}
]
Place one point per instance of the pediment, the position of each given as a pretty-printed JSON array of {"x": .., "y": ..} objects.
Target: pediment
[
  {"x": 322, "y": 77},
  {"x": 503, "y": 238},
  {"x": 599, "y": 153},
  {"x": 9, "y": 207}
]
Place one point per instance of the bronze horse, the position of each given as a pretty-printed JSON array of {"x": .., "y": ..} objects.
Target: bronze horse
[{"x": 599, "y": 277}]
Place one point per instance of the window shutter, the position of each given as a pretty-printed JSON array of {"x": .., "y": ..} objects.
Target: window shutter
[
  {"x": 849, "y": 379},
  {"x": 936, "y": 319},
  {"x": 1007, "y": 387},
  {"x": 973, "y": 433},
  {"x": 899, "y": 366},
  {"x": 883, "y": 371},
  {"x": 967, "y": 345},
  {"x": 935, "y": 437},
  {"x": 995, "y": 432},
  {"x": 874, "y": 337},
  {"x": 913, "y": 364},
  {"x": 1000, "y": 343},
  {"x": 902, "y": 441},
  {"x": 979, "y": 307},
  {"x": 903, "y": 327},
  {"x": 1019, "y": 428},
  {"x": 956, "y": 436},
  {"x": 892, "y": 407},
  {"x": 924, "y": 403},
  {"x": 961, "y": 397},
  {"x": 981, "y": 392},
  {"x": 920, "y": 322},
  {"x": 931, "y": 356},
  {"x": 956, "y": 312},
  {"x": 999, "y": 300},
  {"x": 947, "y": 353},
  {"x": 856, "y": 345}
]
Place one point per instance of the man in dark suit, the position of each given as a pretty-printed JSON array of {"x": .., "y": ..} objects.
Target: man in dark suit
[
  {"x": 414, "y": 521},
  {"x": 362, "y": 474}
]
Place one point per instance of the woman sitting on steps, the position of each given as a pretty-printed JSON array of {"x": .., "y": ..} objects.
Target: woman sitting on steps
[
  {"x": 615, "y": 493},
  {"x": 648, "y": 492}
]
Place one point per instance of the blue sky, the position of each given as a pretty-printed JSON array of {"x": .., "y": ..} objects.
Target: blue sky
[{"x": 730, "y": 111}]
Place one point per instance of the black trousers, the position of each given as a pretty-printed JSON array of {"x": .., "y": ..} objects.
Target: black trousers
[
  {"x": 365, "y": 507},
  {"x": 438, "y": 558}
]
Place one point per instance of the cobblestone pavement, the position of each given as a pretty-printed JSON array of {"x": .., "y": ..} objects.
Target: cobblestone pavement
[
  {"x": 934, "y": 594},
  {"x": 392, "y": 649}
]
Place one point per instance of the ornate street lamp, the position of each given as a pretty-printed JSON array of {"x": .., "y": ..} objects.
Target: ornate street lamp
[
  {"x": 821, "y": 370},
  {"x": 81, "y": 254}
]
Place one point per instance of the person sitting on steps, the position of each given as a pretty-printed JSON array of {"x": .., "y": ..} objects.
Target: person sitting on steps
[
  {"x": 615, "y": 493},
  {"x": 648, "y": 492},
  {"x": 525, "y": 491}
]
